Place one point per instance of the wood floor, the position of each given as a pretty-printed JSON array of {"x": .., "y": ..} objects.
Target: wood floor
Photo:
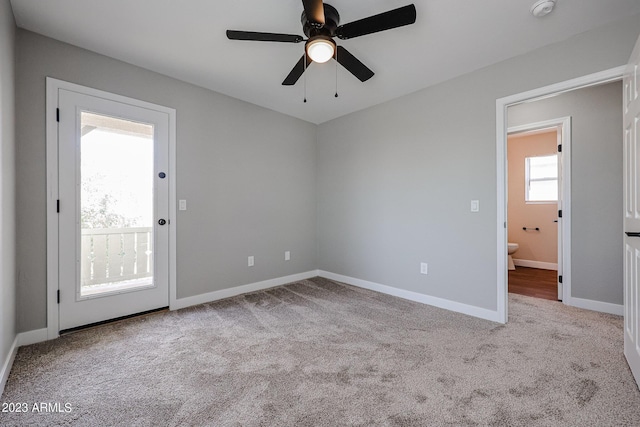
[{"x": 534, "y": 282}]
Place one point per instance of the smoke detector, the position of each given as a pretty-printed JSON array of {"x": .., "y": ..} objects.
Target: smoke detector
[{"x": 542, "y": 8}]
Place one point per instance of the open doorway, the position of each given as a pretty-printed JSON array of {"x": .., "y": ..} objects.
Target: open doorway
[
  {"x": 595, "y": 261},
  {"x": 538, "y": 183}
]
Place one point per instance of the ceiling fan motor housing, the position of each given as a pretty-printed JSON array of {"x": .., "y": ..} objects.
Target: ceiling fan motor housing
[{"x": 331, "y": 21}]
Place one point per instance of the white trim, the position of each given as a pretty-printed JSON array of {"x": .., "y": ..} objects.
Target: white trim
[
  {"x": 604, "y": 307},
  {"x": 526, "y": 130},
  {"x": 610, "y": 75},
  {"x": 52, "y": 88},
  {"x": 564, "y": 260},
  {"x": 173, "y": 213},
  {"x": 52, "y": 217},
  {"x": 23, "y": 338},
  {"x": 501, "y": 143},
  {"x": 533, "y": 128},
  {"x": 32, "y": 337},
  {"x": 458, "y": 307},
  {"x": 238, "y": 290},
  {"x": 501, "y": 213},
  {"x": 8, "y": 363},
  {"x": 536, "y": 264}
]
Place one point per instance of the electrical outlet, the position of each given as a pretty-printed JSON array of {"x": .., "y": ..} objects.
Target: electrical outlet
[
  {"x": 424, "y": 268},
  {"x": 250, "y": 261},
  {"x": 287, "y": 255}
]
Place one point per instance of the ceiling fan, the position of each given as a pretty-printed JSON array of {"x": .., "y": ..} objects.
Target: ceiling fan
[{"x": 320, "y": 24}]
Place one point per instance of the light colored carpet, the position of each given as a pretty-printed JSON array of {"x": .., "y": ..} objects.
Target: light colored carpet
[{"x": 321, "y": 353}]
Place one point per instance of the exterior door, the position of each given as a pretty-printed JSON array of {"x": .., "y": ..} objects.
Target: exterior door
[
  {"x": 113, "y": 209},
  {"x": 631, "y": 110}
]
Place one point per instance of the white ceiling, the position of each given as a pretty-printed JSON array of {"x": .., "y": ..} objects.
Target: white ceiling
[{"x": 186, "y": 39}]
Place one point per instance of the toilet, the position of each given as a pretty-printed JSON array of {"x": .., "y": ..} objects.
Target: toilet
[{"x": 511, "y": 249}]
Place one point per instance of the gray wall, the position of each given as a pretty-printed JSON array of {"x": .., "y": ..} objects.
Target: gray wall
[
  {"x": 248, "y": 175},
  {"x": 7, "y": 182},
  {"x": 369, "y": 195},
  {"x": 596, "y": 184},
  {"x": 395, "y": 181}
]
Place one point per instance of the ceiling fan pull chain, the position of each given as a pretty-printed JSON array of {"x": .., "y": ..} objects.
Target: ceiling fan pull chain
[
  {"x": 336, "y": 58},
  {"x": 305, "y": 78}
]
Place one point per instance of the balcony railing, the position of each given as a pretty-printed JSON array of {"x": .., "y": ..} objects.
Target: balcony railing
[{"x": 114, "y": 255}]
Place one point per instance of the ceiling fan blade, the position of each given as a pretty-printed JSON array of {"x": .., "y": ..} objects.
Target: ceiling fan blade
[
  {"x": 314, "y": 9},
  {"x": 353, "y": 65},
  {"x": 297, "y": 71},
  {"x": 384, "y": 21},
  {"x": 263, "y": 37}
]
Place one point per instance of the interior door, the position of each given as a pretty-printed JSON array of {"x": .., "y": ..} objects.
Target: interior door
[
  {"x": 113, "y": 223},
  {"x": 631, "y": 110}
]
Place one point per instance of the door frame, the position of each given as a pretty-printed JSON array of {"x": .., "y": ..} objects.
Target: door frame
[
  {"x": 563, "y": 127},
  {"x": 52, "y": 90},
  {"x": 606, "y": 76}
]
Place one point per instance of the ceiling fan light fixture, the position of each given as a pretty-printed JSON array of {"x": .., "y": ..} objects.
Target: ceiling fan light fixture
[{"x": 321, "y": 49}]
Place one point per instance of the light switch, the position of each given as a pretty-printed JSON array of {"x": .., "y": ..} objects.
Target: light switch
[
  {"x": 424, "y": 268},
  {"x": 182, "y": 205},
  {"x": 475, "y": 206}
]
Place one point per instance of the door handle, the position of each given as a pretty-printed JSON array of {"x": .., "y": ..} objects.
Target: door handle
[
  {"x": 632, "y": 233},
  {"x": 162, "y": 221},
  {"x": 555, "y": 220}
]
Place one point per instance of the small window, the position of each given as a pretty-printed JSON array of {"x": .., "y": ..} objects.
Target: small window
[{"x": 541, "y": 179}]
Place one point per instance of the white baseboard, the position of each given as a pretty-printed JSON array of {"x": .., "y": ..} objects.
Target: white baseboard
[
  {"x": 458, "y": 307},
  {"x": 8, "y": 363},
  {"x": 603, "y": 307},
  {"x": 32, "y": 337},
  {"x": 23, "y": 338},
  {"x": 536, "y": 264},
  {"x": 238, "y": 290}
]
